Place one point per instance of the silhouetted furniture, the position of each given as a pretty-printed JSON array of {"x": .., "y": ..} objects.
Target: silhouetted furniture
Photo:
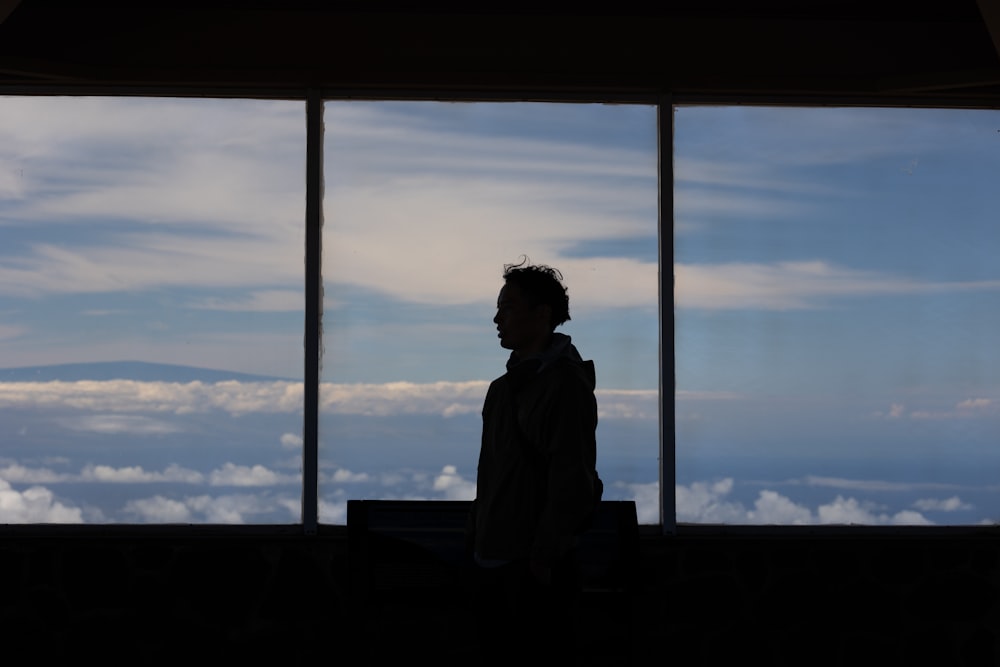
[{"x": 410, "y": 576}]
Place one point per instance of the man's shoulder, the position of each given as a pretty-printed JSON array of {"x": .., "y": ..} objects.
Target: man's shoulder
[{"x": 570, "y": 373}]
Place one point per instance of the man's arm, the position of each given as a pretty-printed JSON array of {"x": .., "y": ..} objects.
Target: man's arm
[{"x": 568, "y": 440}]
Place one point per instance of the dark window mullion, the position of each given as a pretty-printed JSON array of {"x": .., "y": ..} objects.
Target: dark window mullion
[
  {"x": 314, "y": 310},
  {"x": 668, "y": 436}
]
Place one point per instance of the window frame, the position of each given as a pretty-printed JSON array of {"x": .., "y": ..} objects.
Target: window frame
[{"x": 314, "y": 99}]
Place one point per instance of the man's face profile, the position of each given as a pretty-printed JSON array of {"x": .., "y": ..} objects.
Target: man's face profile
[{"x": 521, "y": 327}]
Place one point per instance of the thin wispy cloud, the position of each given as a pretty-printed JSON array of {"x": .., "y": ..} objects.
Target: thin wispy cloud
[
  {"x": 256, "y": 301},
  {"x": 111, "y": 401},
  {"x": 971, "y": 408},
  {"x": 799, "y": 285},
  {"x": 103, "y": 423}
]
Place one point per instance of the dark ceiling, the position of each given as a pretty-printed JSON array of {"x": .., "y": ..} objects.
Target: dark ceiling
[{"x": 868, "y": 50}]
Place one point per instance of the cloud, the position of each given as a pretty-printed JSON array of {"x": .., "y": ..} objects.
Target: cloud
[
  {"x": 101, "y": 474},
  {"x": 952, "y": 504},
  {"x": 972, "y": 408},
  {"x": 707, "y": 502},
  {"x": 396, "y": 398},
  {"x": 34, "y": 505},
  {"x": 851, "y": 511},
  {"x": 867, "y": 485},
  {"x": 9, "y": 332},
  {"x": 227, "y": 509},
  {"x": 158, "y": 509},
  {"x": 345, "y": 476},
  {"x": 453, "y": 485},
  {"x": 17, "y": 473},
  {"x": 135, "y": 474},
  {"x": 333, "y": 512},
  {"x": 116, "y": 424},
  {"x": 204, "y": 148},
  {"x": 773, "y": 508},
  {"x": 231, "y": 474},
  {"x": 220, "y": 182},
  {"x": 126, "y": 396},
  {"x": 704, "y": 502},
  {"x": 647, "y": 500},
  {"x": 794, "y": 285},
  {"x": 628, "y": 403},
  {"x": 690, "y": 172},
  {"x": 256, "y": 301}
]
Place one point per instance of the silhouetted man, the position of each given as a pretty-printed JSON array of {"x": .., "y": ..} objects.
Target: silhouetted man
[{"x": 537, "y": 482}]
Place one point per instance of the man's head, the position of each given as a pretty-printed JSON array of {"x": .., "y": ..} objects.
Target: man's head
[{"x": 531, "y": 304}]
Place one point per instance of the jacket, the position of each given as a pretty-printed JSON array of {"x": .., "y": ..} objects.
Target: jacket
[{"x": 537, "y": 459}]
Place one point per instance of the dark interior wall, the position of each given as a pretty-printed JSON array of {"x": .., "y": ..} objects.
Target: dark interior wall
[
  {"x": 867, "y": 49},
  {"x": 698, "y": 600},
  {"x": 702, "y": 598}
]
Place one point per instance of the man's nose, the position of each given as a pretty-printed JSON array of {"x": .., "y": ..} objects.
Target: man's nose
[{"x": 496, "y": 319}]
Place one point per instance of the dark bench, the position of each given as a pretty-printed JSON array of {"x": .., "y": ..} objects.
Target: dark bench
[
  {"x": 419, "y": 543},
  {"x": 411, "y": 578}
]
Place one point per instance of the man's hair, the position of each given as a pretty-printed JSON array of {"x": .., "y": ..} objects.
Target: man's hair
[{"x": 540, "y": 285}]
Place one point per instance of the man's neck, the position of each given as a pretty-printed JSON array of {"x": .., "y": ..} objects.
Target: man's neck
[{"x": 533, "y": 349}]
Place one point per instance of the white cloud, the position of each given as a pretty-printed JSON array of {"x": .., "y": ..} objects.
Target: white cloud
[
  {"x": 689, "y": 171},
  {"x": 116, "y": 424},
  {"x": 396, "y": 398},
  {"x": 773, "y": 508},
  {"x": 628, "y": 403},
  {"x": 794, "y": 285},
  {"x": 333, "y": 512},
  {"x": 123, "y": 396},
  {"x": 257, "y": 301},
  {"x": 952, "y": 504},
  {"x": 867, "y": 485},
  {"x": 453, "y": 485},
  {"x": 227, "y": 509},
  {"x": 852, "y": 511},
  {"x": 235, "y": 168},
  {"x": 15, "y": 472},
  {"x": 35, "y": 504},
  {"x": 291, "y": 441},
  {"x": 647, "y": 500},
  {"x": 972, "y": 408},
  {"x": 159, "y": 509},
  {"x": 231, "y": 474},
  {"x": 706, "y": 502},
  {"x": 345, "y": 476},
  {"x": 136, "y": 474},
  {"x": 101, "y": 474}
]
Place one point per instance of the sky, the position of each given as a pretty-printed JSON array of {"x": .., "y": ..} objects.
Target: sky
[{"x": 835, "y": 298}]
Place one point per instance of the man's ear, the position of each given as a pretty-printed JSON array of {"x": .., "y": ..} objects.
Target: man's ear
[{"x": 544, "y": 311}]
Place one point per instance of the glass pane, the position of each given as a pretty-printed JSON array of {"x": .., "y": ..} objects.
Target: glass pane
[
  {"x": 837, "y": 303},
  {"x": 151, "y": 285},
  {"x": 425, "y": 203}
]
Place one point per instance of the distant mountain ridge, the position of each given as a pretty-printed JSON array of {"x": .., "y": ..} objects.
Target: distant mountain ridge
[{"x": 128, "y": 370}]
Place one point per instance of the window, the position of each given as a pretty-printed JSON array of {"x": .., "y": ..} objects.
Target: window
[
  {"x": 151, "y": 290},
  {"x": 424, "y": 204},
  {"x": 835, "y": 304},
  {"x": 836, "y": 307}
]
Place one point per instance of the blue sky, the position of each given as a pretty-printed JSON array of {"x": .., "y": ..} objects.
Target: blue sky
[{"x": 836, "y": 299}]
